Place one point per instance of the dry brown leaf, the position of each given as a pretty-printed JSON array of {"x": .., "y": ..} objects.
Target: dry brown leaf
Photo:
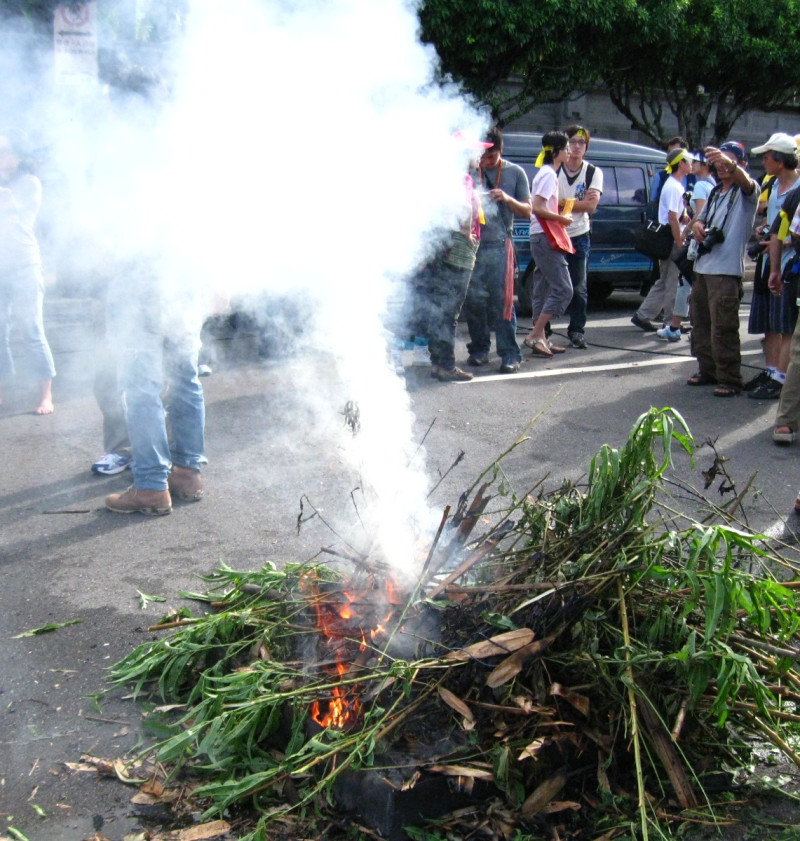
[
  {"x": 195, "y": 833},
  {"x": 543, "y": 794},
  {"x": 478, "y": 773},
  {"x": 512, "y": 666},
  {"x": 454, "y": 702},
  {"x": 153, "y": 787},
  {"x": 411, "y": 782},
  {"x": 501, "y": 644},
  {"x": 201, "y": 832},
  {"x": 532, "y": 749},
  {"x": 580, "y": 702},
  {"x": 561, "y": 806},
  {"x": 77, "y": 766},
  {"x": 144, "y": 798}
]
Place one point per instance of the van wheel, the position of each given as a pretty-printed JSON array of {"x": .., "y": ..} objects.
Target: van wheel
[
  {"x": 524, "y": 292},
  {"x": 600, "y": 291}
]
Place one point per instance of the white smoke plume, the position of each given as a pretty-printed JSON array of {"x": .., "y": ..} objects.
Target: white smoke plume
[{"x": 303, "y": 148}]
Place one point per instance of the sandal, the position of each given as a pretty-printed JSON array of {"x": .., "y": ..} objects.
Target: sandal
[
  {"x": 726, "y": 391},
  {"x": 783, "y": 438},
  {"x": 701, "y": 379},
  {"x": 539, "y": 347},
  {"x": 556, "y": 348}
]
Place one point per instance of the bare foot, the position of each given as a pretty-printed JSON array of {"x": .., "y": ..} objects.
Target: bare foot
[
  {"x": 46, "y": 398},
  {"x": 46, "y": 407}
]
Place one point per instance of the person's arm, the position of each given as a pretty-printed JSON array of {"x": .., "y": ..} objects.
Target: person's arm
[
  {"x": 517, "y": 207},
  {"x": 738, "y": 175},
  {"x": 588, "y": 204},
  {"x": 540, "y": 210},
  {"x": 675, "y": 225}
]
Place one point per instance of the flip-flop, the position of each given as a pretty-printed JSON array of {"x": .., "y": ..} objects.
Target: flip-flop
[
  {"x": 783, "y": 437},
  {"x": 539, "y": 347},
  {"x": 701, "y": 379}
]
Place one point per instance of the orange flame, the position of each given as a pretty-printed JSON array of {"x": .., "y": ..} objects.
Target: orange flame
[{"x": 345, "y": 634}]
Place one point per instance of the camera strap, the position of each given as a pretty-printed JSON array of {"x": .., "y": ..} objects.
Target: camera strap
[{"x": 717, "y": 199}]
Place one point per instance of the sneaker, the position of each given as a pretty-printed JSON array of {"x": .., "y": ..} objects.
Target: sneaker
[
  {"x": 185, "y": 484},
  {"x": 111, "y": 464},
  {"x": 421, "y": 355},
  {"x": 767, "y": 391},
  {"x": 203, "y": 370},
  {"x": 509, "y": 367},
  {"x": 139, "y": 501},
  {"x": 478, "y": 359},
  {"x": 454, "y": 375},
  {"x": 761, "y": 378},
  {"x": 578, "y": 340},
  {"x": 643, "y": 324},
  {"x": 669, "y": 334}
]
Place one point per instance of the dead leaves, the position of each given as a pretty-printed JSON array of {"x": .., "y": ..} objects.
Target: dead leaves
[{"x": 501, "y": 644}]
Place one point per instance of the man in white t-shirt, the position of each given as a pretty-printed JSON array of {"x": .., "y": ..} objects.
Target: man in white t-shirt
[
  {"x": 670, "y": 209},
  {"x": 583, "y": 182}
]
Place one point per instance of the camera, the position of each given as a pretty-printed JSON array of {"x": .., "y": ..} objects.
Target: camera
[
  {"x": 756, "y": 249},
  {"x": 713, "y": 237}
]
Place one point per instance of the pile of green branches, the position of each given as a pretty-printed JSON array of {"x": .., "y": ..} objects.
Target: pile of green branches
[{"x": 598, "y": 665}]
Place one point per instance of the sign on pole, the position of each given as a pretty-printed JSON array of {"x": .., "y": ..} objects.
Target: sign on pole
[{"x": 75, "y": 43}]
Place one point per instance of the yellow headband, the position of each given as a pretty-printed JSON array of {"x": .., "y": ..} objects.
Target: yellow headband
[
  {"x": 540, "y": 159},
  {"x": 671, "y": 167},
  {"x": 581, "y": 132}
]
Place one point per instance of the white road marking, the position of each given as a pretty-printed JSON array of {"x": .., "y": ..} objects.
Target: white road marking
[{"x": 590, "y": 369}]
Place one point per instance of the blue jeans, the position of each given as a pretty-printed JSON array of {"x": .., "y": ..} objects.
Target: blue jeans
[
  {"x": 484, "y": 306},
  {"x": 21, "y": 297},
  {"x": 576, "y": 263},
  {"x": 150, "y": 357}
]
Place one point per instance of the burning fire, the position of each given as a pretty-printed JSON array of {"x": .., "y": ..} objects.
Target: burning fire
[{"x": 349, "y": 625}]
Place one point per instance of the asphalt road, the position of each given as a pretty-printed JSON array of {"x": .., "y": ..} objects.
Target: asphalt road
[{"x": 63, "y": 557}]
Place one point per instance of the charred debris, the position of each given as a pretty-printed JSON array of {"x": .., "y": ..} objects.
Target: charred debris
[{"x": 584, "y": 662}]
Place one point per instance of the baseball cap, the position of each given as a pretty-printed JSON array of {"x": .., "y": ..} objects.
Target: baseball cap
[
  {"x": 779, "y": 142},
  {"x": 735, "y": 148},
  {"x": 470, "y": 141}
]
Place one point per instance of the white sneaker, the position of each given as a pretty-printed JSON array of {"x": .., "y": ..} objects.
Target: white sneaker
[
  {"x": 668, "y": 334},
  {"x": 203, "y": 370},
  {"x": 421, "y": 355},
  {"x": 111, "y": 464}
]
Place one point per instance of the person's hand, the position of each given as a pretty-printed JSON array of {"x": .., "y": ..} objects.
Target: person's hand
[
  {"x": 498, "y": 195},
  {"x": 775, "y": 283},
  {"x": 565, "y": 219},
  {"x": 699, "y": 230}
]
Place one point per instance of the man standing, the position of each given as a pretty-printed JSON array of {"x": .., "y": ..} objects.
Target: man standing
[
  {"x": 583, "y": 182},
  {"x": 489, "y": 304},
  {"x": 774, "y": 315},
  {"x": 158, "y": 336},
  {"x": 721, "y": 230},
  {"x": 670, "y": 209}
]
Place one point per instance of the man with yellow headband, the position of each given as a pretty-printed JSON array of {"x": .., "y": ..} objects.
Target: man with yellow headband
[
  {"x": 670, "y": 209},
  {"x": 583, "y": 182}
]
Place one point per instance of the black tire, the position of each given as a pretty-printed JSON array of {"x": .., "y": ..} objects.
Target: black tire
[
  {"x": 524, "y": 292},
  {"x": 600, "y": 291}
]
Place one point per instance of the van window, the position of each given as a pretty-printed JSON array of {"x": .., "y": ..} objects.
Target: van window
[{"x": 624, "y": 185}]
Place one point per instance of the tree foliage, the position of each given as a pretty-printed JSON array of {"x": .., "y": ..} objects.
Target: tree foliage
[{"x": 705, "y": 62}]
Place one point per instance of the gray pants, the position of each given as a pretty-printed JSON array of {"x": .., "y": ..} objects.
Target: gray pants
[
  {"x": 552, "y": 287},
  {"x": 662, "y": 295}
]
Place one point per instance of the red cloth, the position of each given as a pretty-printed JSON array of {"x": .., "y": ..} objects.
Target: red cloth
[{"x": 508, "y": 297}]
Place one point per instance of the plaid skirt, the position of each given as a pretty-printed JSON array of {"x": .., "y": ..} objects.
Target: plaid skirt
[{"x": 772, "y": 314}]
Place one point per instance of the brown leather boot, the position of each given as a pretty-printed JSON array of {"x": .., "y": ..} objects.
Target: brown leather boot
[
  {"x": 153, "y": 503},
  {"x": 186, "y": 484}
]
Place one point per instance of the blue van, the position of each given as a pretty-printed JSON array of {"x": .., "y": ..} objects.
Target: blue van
[{"x": 628, "y": 174}]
